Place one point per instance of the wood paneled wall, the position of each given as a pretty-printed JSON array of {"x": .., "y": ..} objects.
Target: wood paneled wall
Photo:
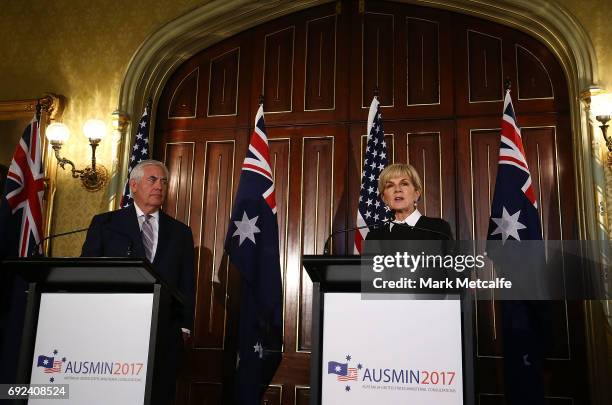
[{"x": 440, "y": 76}]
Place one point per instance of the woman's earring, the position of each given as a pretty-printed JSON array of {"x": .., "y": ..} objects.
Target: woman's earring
[{"x": 415, "y": 203}]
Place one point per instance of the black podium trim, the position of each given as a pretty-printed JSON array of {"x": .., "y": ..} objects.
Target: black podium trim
[
  {"x": 28, "y": 338},
  {"x": 89, "y": 271},
  {"x": 155, "y": 311}
]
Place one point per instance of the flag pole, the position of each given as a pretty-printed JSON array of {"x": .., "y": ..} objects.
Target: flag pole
[
  {"x": 38, "y": 109},
  {"x": 261, "y": 99},
  {"x": 507, "y": 84},
  {"x": 376, "y": 91}
]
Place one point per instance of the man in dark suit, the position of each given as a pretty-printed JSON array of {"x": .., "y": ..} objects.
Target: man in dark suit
[{"x": 143, "y": 230}]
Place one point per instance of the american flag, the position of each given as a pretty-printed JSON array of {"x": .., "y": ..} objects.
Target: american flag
[
  {"x": 514, "y": 210},
  {"x": 351, "y": 375},
  {"x": 56, "y": 368},
  {"x": 372, "y": 209},
  {"x": 252, "y": 243},
  {"x": 140, "y": 152},
  {"x": 25, "y": 187}
]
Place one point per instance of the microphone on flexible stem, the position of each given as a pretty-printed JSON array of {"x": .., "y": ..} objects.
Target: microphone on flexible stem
[
  {"x": 36, "y": 252},
  {"x": 331, "y": 235}
]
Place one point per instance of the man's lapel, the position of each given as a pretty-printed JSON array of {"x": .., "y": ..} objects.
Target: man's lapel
[
  {"x": 164, "y": 228},
  {"x": 133, "y": 229}
]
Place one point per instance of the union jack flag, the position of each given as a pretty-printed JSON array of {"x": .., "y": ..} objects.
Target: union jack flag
[
  {"x": 140, "y": 152},
  {"x": 25, "y": 187},
  {"x": 253, "y": 246},
  {"x": 514, "y": 211},
  {"x": 372, "y": 209},
  {"x": 258, "y": 158}
]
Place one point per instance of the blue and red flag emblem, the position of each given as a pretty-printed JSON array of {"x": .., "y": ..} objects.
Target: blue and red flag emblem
[
  {"x": 342, "y": 370},
  {"x": 49, "y": 364}
]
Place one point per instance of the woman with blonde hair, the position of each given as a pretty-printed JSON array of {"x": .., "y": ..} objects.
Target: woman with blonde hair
[{"x": 400, "y": 187}]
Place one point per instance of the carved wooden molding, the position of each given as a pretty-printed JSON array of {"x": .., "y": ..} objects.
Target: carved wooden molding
[{"x": 53, "y": 104}]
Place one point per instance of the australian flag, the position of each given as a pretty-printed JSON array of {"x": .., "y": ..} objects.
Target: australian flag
[
  {"x": 333, "y": 367},
  {"x": 45, "y": 361},
  {"x": 252, "y": 244},
  {"x": 514, "y": 211},
  {"x": 372, "y": 210},
  {"x": 515, "y": 218},
  {"x": 140, "y": 152}
]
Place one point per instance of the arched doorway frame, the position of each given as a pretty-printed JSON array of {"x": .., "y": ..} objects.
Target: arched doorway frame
[{"x": 166, "y": 49}]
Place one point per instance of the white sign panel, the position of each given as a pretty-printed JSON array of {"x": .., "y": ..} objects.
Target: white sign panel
[
  {"x": 98, "y": 344},
  {"x": 389, "y": 352}
]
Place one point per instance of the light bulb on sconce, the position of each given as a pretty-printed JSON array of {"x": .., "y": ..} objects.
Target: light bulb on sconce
[
  {"x": 94, "y": 130},
  {"x": 93, "y": 177},
  {"x": 57, "y": 133},
  {"x": 603, "y": 120},
  {"x": 601, "y": 108}
]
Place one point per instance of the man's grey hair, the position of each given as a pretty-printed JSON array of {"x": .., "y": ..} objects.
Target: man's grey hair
[{"x": 138, "y": 170}]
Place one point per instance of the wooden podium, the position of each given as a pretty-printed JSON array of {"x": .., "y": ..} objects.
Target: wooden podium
[
  {"x": 342, "y": 274},
  {"x": 81, "y": 277}
]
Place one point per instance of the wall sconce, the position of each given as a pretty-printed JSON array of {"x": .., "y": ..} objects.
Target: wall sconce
[
  {"x": 94, "y": 177},
  {"x": 603, "y": 119},
  {"x": 601, "y": 108}
]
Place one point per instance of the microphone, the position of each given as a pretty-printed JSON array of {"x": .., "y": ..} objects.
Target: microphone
[
  {"x": 36, "y": 252},
  {"x": 331, "y": 235}
]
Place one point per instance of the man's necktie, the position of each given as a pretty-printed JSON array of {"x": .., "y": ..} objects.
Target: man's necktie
[{"x": 147, "y": 236}]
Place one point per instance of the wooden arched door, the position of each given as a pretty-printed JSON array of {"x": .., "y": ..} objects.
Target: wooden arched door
[{"x": 441, "y": 78}]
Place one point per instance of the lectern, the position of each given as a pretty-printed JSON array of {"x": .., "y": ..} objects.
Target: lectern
[
  {"x": 98, "y": 325},
  {"x": 386, "y": 348}
]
